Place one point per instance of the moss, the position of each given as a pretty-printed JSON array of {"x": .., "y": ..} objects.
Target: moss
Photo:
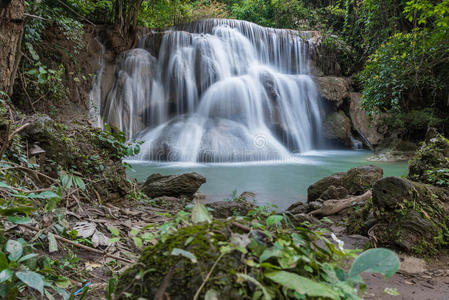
[
  {"x": 184, "y": 277},
  {"x": 358, "y": 221}
]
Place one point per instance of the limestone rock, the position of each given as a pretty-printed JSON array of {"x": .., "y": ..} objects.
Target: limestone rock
[
  {"x": 186, "y": 184},
  {"x": 360, "y": 179},
  {"x": 297, "y": 208},
  {"x": 362, "y": 123},
  {"x": 337, "y": 126},
  {"x": 333, "y": 89}
]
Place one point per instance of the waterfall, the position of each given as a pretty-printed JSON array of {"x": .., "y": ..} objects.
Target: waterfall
[{"x": 217, "y": 91}]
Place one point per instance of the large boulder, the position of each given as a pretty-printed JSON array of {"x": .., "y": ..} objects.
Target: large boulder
[
  {"x": 334, "y": 89},
  {"x": 410, "y": 215},
  {"x": 339, "y": 185},
  {"x": 337, "y": 126},
  {"x": 361, "y": 122},
  {"x": 187, "y": 184}
]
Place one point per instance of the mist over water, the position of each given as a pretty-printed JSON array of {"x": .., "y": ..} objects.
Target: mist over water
[{"x": 219, "y": 91}]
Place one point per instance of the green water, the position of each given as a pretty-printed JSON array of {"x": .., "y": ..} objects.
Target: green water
[{"x": 278, "y": 183}]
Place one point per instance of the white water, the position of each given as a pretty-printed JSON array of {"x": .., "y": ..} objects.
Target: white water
[{"x": 220, "y": 91}]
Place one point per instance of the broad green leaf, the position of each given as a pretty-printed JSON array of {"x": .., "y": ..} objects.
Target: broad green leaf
[
  {"x": 302, "y": 285},
  {"x": 200, "y": 214},
  {"x": 113, "y": 240},
  {"x": 32, "y": 279},
  {"x": 266, "y": 295},
  {"x": 6, "y": 274},
  {"x": 138, "y": 242},
  {"x": 52, "y": 244},
  {"x": 6, "y": 186},
  {"x": 270, "y": 252},
  {"x": 15, "y": 249},
  {"x": 186, "y": 254},
  {"x": 378, "y": 260},
  {"x": 27, "y": 257},
  {"x": 19, "y": 220},
  {"x": 44, "y": 195},
  {"x": 275, "y": 219}
]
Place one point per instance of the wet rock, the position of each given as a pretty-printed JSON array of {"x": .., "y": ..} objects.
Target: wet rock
[
  {"x": 339, "y": 185},
  {"x": 337, "y": 126},
  {"x": 355, "y": 241},
  {"x": 224, "y": 209},
  {"x": 369, "y": 128},
  {"x": 187, "y": 184},
  {"x": 333, "y": 89},
  {"x": 250, "y": 196}
]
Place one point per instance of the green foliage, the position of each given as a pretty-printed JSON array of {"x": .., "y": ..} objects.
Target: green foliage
[
  {"x": 281, "y": 262},
  {"x": 20, "y": 269}
]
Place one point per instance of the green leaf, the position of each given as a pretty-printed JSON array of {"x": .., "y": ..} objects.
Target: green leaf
[
  {"x": 270, "y": 252},
  {"x": 79, "y": 182},
  {"x": 44, "y": 195},
  {"x": 52, "y": 244},
  {"x": 27, "y": 257},
  {"x": 266, "y": 295},
  {"x": 32, "y": 279},
  {"x": 3, "y": 261},
  {"x": 20, "y": 220},
  {"x": 275, "y": 219},
  {"x": 6, "y": 186},
  {"x": 5, "y": 275},
  {"x": 15, "y": 249},
  {"x": 186, "y": 254},
  {"x": 302, "y": 285},
  {"x": 114, "y": 231},
  {"x": 200, "y": 214},
  {"x": 378, "y": 260},
  {"x": 113, "y": 240}
]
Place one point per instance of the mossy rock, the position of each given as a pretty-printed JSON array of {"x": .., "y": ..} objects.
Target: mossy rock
[
  {"x": 431, "y": 162},
  {"x": 160, "y": 272},
  {"x": 410, "y": 216}
]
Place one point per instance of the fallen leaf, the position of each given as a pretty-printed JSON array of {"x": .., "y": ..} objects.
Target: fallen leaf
[{"x": 85, "y": 229}]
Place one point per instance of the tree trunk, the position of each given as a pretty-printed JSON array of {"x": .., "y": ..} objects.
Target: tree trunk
[{"x": 11, "y": 32}]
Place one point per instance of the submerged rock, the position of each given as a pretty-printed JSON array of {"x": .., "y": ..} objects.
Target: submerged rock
[
  {"x": 339, "y": 185},
  {"x": 187, "y": 185}
]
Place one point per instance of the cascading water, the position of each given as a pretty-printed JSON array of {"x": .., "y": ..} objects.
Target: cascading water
[{"x": 219, "y": 91}]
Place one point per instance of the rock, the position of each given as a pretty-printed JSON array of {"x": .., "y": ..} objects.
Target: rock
[
  {"x": 187, "y": 185},
  {"x": 410, "y": 215},
  {"x": 332, "y": 207},
  {"x": 430, "y": 164},
  {"x": 337, "y": 126},
  {"x": 315, "y": 190},
  {"x": 355, "y": 241},
  {"x": 334, "y": 89},
  {"x": 412, "y": 265},
  {"x": 368, "y": 128},
  {"x": 339, "y": 185},
  {"x": 360, "y": 179},
  {"x": 298, "y": 219},
  {"x": 333, "y": 192},
  {"x": 314, "y": 205},
  {"x": 250, "y": 196},
  {"x": 224, "y": 209},
  {"x": 297, "y": 208}
]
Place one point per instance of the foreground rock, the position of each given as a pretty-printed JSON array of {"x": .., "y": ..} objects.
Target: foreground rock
[
  {"x": 339, "y": 185},
  {"x": 236, "y": 207},
  {"x": 406, "y": 215},
  {"x": 337, "y": 126},
  {"x": 186, "y": 185}
]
